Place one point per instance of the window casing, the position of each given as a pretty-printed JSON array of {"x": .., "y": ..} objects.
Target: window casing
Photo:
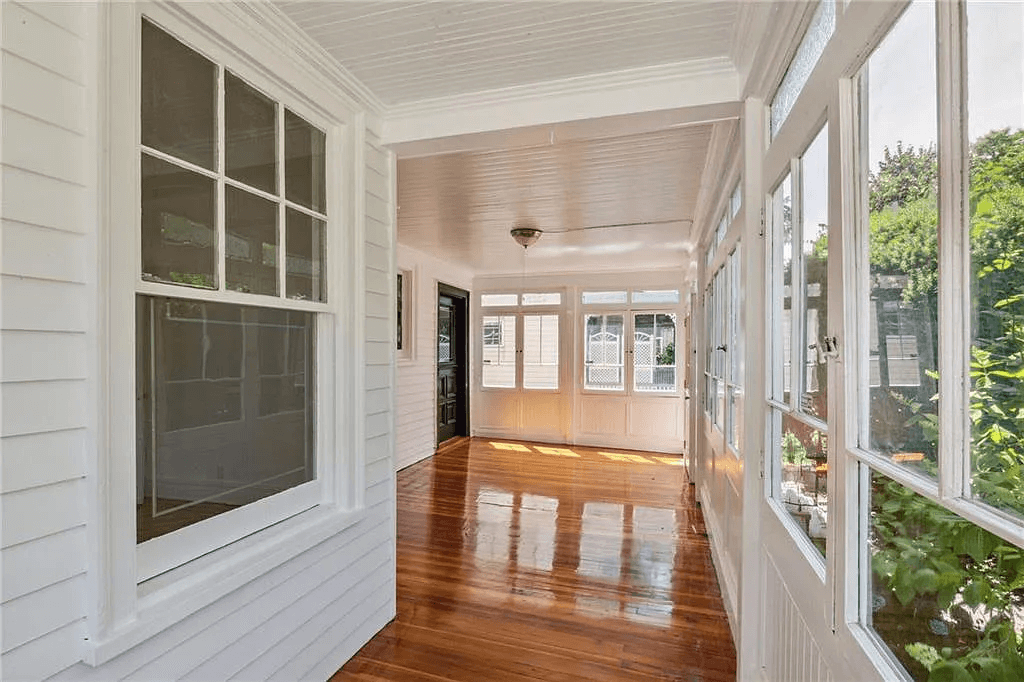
[{"x": 142, "y": 588}]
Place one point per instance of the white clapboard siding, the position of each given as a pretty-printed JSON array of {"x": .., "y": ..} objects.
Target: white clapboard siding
[
  {"x": 46, "y": 175},
  {"x": 417, "y": 378},
  {"x": 307, "y": 615}
]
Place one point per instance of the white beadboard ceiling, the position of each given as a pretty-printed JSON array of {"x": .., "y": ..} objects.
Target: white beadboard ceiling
[
  {"x": 461, "y": 206},
  {"x": 411, "y": 51},
  {"x": 459, "y": 200}
]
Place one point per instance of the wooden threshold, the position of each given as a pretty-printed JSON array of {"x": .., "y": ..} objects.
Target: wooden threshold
[{"x": 520, "y": 561}]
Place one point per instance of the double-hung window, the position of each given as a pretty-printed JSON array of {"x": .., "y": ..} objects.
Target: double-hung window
[{"x": 232, "y": 323}]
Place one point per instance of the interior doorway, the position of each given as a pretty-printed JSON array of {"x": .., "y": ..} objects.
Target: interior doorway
[{"x": 452, "y": 362}]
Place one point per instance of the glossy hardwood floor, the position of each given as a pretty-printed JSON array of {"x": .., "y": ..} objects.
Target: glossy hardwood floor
[{"x": 521, "y": 561}]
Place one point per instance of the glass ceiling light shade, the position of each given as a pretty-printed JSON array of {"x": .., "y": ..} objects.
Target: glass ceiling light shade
[{"x": 526, "y": 236}]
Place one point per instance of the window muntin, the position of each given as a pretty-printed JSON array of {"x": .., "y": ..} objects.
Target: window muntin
[
  {"x": 995, "y": 115},
  {"x": 225, "y": 391},
  {"x": 820, "y": 30},
  {"x": 540, "y": 352},
  {"x": 604, "y": 351},
  {"x": 654, "y": 352},
  {"x": 901, "y": 292},
  {"x": 499, "y": 351},
  {"x": 603, "y": 297}
]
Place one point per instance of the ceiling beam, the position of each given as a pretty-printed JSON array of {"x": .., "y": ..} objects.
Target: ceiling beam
[{"x": 687, "y": 85}]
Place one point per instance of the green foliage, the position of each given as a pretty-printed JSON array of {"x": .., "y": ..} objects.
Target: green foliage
[
  {"x": 903, "y": 177},
  {"x": 931, "y": 561},
  {"x": 667, "y": 356}
]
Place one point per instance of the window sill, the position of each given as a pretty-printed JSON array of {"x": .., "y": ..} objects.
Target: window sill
[{"x": 170, "y": 598}]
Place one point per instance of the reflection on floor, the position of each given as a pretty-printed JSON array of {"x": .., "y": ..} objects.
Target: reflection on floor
[{"x": 519, "y": 561}]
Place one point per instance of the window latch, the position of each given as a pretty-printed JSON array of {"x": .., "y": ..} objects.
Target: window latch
[{"x": 830, "y": 347}]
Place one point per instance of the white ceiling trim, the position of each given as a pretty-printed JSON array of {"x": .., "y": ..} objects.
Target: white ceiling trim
[
  {"x": 655, "y": 88},
  {"x": 289, "y": 36}
]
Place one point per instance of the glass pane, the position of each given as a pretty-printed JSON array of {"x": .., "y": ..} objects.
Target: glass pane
[
  {"x": 542, "y": 299},
  {"x": 902, "y": 290},
  {"x": 821, "y": 28},
  {"x": 444, "y": 330},
  {"x": 996, "y": 114},
  {"x": 540, "y": 351},
  {"x": 226, "y": 408},
  {"x": 801, "y": 454},
  {"x": 305, "y": 167},
  {"x": 603, "y": 352},
  {"x": 945, "y": 594},
  {"x": 654, "y": 352},
  {"x": 590, "y": 297},
  {"x": 250, "y": 135},
  {"x": 304, "y": 273},
  {"x": 736, "y": 200},
  {"x": 178, "y": 235},
  {"x": 251, "y": 242},
  {"x": 656, "y": 296},
  {"x": 782, "y": 302},
  {"x": 814, "y": 234},
  {"x": 499, "y": 351},
  {"x": 499, "y": 299},
  {"x": 721, "y": 349},
  {"x": 398, "y": 311},
  {"x": 179, "y": 98}
]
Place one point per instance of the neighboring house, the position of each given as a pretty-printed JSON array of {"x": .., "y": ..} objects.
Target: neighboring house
[{"x": 203, "y": 409}]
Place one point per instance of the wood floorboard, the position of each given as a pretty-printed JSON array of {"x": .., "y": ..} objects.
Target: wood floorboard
[{"x": 522, "y": 562}]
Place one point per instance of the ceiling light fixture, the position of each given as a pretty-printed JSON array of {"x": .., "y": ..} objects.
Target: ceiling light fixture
[{"x": 526, "y": 236}]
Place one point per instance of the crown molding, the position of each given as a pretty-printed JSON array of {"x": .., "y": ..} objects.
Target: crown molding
[
  {"x": 653, "y": 88},
  {"x": 287, "y": 36}
]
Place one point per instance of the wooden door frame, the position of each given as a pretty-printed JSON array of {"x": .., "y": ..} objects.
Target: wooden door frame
[{"x": 461, "y": 299}]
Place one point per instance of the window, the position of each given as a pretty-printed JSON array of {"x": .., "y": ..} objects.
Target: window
[
  {"x": 654, "y": 352},
  {"x": 498, "y": 300},
  {"x": 229, "y": 303},
  {"x": 604, "y": 345},
  {"x": 499, "y": 351},
  {"x": 670, "y": 296},
  {"x": 605, "y": 297},
  {"x": 798, "y": 310},
  {"x": 540, "y": 352},
  {"x": 940, "y": 447},
  {"x": 820, "y": 30}
]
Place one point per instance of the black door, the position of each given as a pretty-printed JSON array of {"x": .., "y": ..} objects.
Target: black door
[{"x": 452, "y": 386}]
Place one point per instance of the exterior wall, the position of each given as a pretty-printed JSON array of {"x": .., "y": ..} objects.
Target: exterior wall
[
  {"x": 415, "y": 387},
  {"x": 300, "y": 619}
]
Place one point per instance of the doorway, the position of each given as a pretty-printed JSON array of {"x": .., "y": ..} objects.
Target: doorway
[{"x": 452, "y": 362}]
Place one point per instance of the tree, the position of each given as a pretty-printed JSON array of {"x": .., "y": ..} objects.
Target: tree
[{"x": 902, "y": 177}]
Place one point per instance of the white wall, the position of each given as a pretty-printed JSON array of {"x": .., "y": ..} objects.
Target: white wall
[
  {"x": 299, "y": 620},
  {"x": 416, "y": 383}
]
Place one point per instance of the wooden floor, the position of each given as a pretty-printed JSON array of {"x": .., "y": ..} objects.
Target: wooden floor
[{"x": 519, "y": 561}]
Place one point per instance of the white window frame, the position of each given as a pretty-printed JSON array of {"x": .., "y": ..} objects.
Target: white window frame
[
  {"x": 139, "y": 590},
  {"x": 520, "y": 311}
]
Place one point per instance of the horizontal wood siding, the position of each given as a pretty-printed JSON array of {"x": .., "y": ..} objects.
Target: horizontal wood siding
[
  {"x": 300, "y": 620},
  {"x": 46, "y": 220},
  {"x": 415, "y": 385}
]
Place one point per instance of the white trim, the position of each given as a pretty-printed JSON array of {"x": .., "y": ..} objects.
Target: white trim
[
  {"x": 652, "y": 88},
  {"x": 122, "y": 612}
]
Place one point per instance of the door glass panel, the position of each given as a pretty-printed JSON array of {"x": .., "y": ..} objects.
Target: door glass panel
[
  {"x": 250, "y": 135},
  {"x": 603, "y": 352},
  {"x": 540, "y": 351},
  {"x": 996, "y": 116},
  {"x": 499, "y": 351},
  {"x": 654, "y": 352},
  {"x": 902, "y": 293},
  {"x": 814, "y": 235},
  {"x": 801, "y": 454},
  {"x": 251, "y": 242},
  {"x": 226, "y": 408},
  {"x": 782, "y": 302},
  {"x": 444, "y": 331}
]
